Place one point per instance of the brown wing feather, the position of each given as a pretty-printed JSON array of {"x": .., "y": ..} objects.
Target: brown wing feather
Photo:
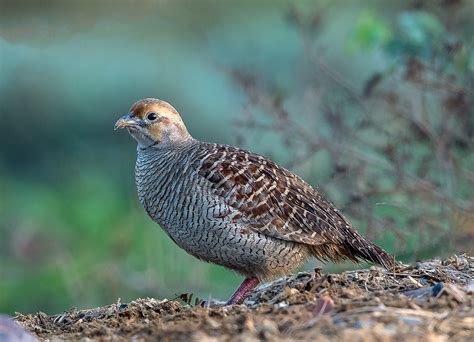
[{"x": 277, "y": 203}]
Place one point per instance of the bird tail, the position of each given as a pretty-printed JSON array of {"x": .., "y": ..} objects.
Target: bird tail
[{"x": 354, "y": 247}]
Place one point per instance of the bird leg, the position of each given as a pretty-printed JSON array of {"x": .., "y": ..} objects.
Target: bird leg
[{"x": 239, "y": 295}]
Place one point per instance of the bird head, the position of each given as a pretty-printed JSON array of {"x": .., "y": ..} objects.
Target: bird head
[{"x": 154, "y": 122}]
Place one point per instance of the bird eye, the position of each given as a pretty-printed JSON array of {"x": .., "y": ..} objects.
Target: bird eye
[{"x": 152, "y": 116}]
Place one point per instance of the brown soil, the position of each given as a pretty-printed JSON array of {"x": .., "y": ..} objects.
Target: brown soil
[{"x": 431, "y": 301}]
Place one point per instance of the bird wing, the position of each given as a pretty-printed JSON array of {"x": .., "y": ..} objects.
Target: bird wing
[
  {"x": 273, "y": 201},
  {"x": 270, "y": 199}
]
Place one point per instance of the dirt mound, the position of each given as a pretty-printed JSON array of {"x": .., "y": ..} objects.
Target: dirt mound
[{"x": 429, "y": 301}]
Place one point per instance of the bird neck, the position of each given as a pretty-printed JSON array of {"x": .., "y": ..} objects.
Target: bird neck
[{"x": 166, "y": 146}]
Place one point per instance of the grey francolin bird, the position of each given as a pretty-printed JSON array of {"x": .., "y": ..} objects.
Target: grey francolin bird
[{"x": 232, "y": 207}]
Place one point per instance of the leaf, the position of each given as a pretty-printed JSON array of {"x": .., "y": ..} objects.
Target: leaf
[{"x": 369, "y": 32}]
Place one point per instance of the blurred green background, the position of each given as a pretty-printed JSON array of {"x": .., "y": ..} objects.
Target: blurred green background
[{"x": 369, "y": 100}]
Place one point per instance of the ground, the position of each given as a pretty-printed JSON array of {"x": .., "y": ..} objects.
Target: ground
[{"x": 429, "y": 301}]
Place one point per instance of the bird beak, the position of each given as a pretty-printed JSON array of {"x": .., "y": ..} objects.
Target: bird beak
[{"x": 125, "y": 121}]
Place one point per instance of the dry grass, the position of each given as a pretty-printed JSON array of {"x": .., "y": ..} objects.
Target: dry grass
[{"x": 429, "y": 301}]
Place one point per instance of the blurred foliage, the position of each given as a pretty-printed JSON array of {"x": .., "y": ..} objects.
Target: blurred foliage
[
  {"x": 370, "y": 101},
  {"x": 399, "y": 141},
  {"x": 370, "y": 31}
]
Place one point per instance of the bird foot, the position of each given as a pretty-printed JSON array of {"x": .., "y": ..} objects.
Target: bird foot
[{"x": 239, "y": 295}]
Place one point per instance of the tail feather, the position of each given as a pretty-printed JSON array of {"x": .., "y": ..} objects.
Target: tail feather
[
  {"x": 364, "y": 249},
  {"x": 354, "y": 247}
]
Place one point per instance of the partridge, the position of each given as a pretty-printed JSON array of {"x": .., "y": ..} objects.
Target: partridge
[{"x": 234, "y": 208}]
